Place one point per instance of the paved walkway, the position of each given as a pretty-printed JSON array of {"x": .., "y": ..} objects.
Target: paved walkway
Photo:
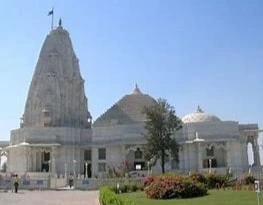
[{"x": 72, "y": 197}]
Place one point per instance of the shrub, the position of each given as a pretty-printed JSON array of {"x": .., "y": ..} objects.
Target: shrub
[
  {"x": 141, "y": 187},
  {"x": 174, "y": 186},
  {"x": 132, "y": 187},
  {"x": 108, "y": 197},
  {"x": 123, "y": 188},
  {"x": 198, "y": 177},
  {"x": 215, "y": 180},
  {"x": 193, "y": 189},
  {"x": 249, "y": 179},
  {"x": 148, "y": 180}
]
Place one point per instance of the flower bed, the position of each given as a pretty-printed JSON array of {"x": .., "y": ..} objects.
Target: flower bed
[{"x": 173, "y": 186}]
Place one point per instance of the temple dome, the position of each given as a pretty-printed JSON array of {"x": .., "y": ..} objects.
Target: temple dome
[
  {"x": 199, "y": 116},
  {"x": 128, "y": 110}
]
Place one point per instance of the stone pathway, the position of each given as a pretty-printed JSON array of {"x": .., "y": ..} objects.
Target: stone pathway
[{"x": 72, "y": 197}]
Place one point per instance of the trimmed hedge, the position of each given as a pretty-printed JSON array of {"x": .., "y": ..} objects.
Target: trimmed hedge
[
  {"x": 108, "y": 197},
  {"x": 173, "y": 186}
]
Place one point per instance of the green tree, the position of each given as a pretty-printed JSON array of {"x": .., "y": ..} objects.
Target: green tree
[{"x": 160, "y": 127}]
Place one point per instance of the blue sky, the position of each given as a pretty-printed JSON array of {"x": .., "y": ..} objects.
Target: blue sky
[{"x": 190, "y": 52}]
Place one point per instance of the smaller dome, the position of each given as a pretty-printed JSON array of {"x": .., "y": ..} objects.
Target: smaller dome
[
  {"x": 199, "y": 116},
  {"x": 128, "y": 110}
]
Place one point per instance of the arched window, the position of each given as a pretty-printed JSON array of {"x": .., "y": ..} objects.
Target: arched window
[
  {"x": 138, "y": 154},
  {"x": 210, "y": 151}
]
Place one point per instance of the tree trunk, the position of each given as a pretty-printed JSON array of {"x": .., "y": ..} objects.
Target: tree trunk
[{"x": 162, "y": 161}]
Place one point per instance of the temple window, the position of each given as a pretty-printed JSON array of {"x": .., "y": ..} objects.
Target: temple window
[
  {"x": 206, "y": 163},
  {"x": 46, "y": 156},
  {"x": 46, "y": 113},
  {"x": 87, "y": 155},
  {"x": 210, "y": 152},
  {"x": 139, "y": 165},
  {"x": 138, "y": 154},
  {"x": 102, "y": 153},
  {"x": 46, "y": 116},
  {"x": 101, "y": 167}
]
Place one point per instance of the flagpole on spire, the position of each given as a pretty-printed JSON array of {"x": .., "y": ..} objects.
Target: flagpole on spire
[{"x": 52, "y": 19}]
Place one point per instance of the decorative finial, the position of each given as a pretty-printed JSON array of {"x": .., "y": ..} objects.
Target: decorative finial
[
  {"x": 198, "y": 109},
  {"x": 60, "y": 22},
  {"x": 137, "y": 90}
]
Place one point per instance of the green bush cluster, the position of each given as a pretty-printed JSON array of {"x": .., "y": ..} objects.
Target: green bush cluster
[
  {"x": 173, "y": 186},
  {"x": 108, "y": 197}
]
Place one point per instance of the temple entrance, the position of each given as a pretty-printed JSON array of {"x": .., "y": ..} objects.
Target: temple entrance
[
  {"x": 88, "y": 170},
  {"x": 253, "y": 151},
  {"x": 250, "y": 154},
  {"x": 45, "y": 156},
  {"x": 3, "y": 163}
]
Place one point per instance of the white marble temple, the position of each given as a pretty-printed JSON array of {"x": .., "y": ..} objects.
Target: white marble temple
[{"x": 57, "y": 135}]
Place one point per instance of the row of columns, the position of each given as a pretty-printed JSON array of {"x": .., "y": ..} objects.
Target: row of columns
[{"x": 34, "y": 159}]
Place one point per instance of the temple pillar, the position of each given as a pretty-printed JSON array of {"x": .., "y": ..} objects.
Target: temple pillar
[
  {"x": 29, "y": 155},
  {"x": 255, "y": 154},
  {"x": 39, "y": 161},
  {"x": 34, "y": 161},
  {"x": 124, "y": 153},
  {"x": 228, "y": 155},
  {"x": 53, "y": 160},
  {"x": 26, "y": 153},
  {"x": 8, "y": 159},
  {"x": 94, "y": 166},
  {"x": 199, "y": 157}
]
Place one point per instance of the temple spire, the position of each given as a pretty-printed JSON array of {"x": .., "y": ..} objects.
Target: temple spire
[{"x": 56, "y": 96}]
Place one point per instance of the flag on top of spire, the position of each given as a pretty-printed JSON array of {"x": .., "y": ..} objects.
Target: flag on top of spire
[{"x": 50, "y": 12}]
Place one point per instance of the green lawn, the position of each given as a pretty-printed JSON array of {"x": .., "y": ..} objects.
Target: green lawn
[{"x": 215, "y": 197}]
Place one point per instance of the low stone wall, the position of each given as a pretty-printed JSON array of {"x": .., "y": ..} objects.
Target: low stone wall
[
  {"x": 40, "y": 184},
  {"x": 91, "y": 184},
  {"x": 62, "y": 183}
]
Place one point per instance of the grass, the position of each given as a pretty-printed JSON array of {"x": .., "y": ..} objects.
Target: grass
[{"x": 214, "y": 197}]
